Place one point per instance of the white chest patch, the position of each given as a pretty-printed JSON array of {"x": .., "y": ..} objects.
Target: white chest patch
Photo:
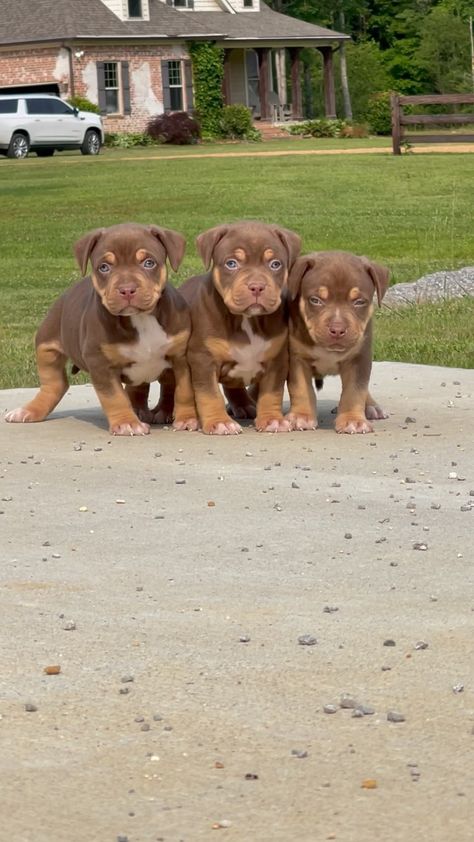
[
  {"x": 148, "y": 352},
  {"x": 248, "y": 358},
  {"x": 327, "y": 362}
]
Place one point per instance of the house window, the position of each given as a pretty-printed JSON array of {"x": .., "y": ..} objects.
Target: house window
[
  {"x": 248, "y": 4},
  {"x": 176, "y": 85},
  {"x": 181, "y": 4},
  {"x": 112, "y": 88},
  {"x": 135, "y": 9}
]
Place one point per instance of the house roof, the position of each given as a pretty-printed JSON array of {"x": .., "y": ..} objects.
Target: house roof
[{"x": 34, "y": 21}]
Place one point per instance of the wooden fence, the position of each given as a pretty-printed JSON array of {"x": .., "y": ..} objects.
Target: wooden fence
[{"x": 400, "y": 120}]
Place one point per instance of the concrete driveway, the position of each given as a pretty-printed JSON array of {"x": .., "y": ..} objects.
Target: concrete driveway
[{"x": 171, "y": 577}]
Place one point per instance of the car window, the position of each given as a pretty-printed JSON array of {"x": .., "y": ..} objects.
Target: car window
[
  {"x": 8, "y": 106},
  {"x": 58, "y": 107},
  {"x": 38, "y": 106}
]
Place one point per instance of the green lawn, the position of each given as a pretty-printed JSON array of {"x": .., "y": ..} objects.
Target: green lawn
[{"x": 413, "y": 213}]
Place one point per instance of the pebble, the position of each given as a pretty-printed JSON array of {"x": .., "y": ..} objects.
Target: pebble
[
  {"x": 307, "y": 640},
  {"x": 124, "y": 690},
  {"x": 139, "y": 719},
  {"x": 52, "y": 670},
  {"x": 145, "y": 727},
  {"x": 55, "y": 555},
  {"x": 330, "y": 609},
  {"x": 300, "y": 753},
  {"x": 330, "y": 708},
  {"x": 294, "y": 485},
  {"x": 369, "y": 783},
  {"x": 69, "y": 626},
  {"x": 122, "y": 838},
  {"x": 395, "y": 716},
  {"x": 250, "y": 776},
  {"x": 222, "y": 823},
  {"x": 30, "y": 707},
  {"x": 127, "y": 678},
  {"x": 180, "y": 482},
  {"x": 421, "y": 644},
  {"x": 348, "y": 701},
  {"x": 366, "y": 710},
  {"x": 348, "y": 535},
  {"x": 244, "y": 638},
  {"x": 389, "y": 642},
  {"x": 458, "y": 688},
  {"x": 357, "y": 713},
  {"x": 420, "y": 545},
  {"x": 410, "y": 420},
  {"x": 436, "y": 506},
  {"x": 157, "y": 717}
]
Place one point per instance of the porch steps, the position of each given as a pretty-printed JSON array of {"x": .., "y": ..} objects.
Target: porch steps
[{"x": 269, "y": 131}]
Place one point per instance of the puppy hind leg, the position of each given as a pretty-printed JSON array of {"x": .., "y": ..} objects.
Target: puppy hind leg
[
  {"x": 51, "y": 364},
  {"x": 373, "y": 410},
  {"x": 138, "y": 397},
  {"x": 163, "y": 412},
  {"x": 241, "y": 404}
]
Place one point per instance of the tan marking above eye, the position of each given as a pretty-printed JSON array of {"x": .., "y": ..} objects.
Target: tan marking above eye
[
  {"x": 141, "y": 254},
  {"x": 239, "y": 254},
  {"x": 354, "y": 293},
  {"x": 268, "y": 254},
  {"x": 323, "y": 293},
  {"x": 109, "y": 257}
]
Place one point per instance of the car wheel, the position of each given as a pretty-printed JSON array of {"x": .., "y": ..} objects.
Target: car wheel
[
  {"x": 91, "y": 143},
  {"x": 19, "y": 146},
  {"x": 45, "y": 152}
]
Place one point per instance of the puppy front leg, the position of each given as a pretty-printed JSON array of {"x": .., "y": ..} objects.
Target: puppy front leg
[
  {"x": 51, "y": 364},
  {"x": 240, "y": 402},
  {"x": 270, "y": 396},
  {"x": 116, "y": 404},
  {"x": 351, "y": 417},
  {"x": 209, "y": 399},
  {"x": 303, "y": 413},
  {"x": 185, "y": 415}
]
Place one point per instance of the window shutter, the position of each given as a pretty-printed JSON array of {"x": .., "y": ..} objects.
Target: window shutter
[
  {"x": 101, "y": 86},
  {"x": 165, "y": 82},
  {"x": 188, "y": 79},
  {"x": 126, "y": 88}
]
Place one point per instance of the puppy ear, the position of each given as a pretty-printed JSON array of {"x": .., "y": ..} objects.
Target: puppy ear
[
  {"x": 292, "y": 243},
  {"x": 207, "y": 241},
  {"x": 83, "y": 248},
  {"x": 297, "y": 273},
  {"x": 174, "y": 243},
  {"x": 380, "y": 276}
]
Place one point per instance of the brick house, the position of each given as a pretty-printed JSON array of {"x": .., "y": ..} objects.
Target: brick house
[{"x": 130, "y": 56}]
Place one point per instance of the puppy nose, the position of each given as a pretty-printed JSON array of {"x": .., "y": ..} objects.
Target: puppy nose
[
  {"x": 337, "y": 329},
  {"x": 257, "y": 287},
  {"x": 128, "y": 291}
]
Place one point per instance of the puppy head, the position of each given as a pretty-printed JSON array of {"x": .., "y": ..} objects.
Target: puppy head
[
  {"x": 129, "y": 264},
  {"x": 335, "y": 292},
  {"x": 250, "y": 264}
]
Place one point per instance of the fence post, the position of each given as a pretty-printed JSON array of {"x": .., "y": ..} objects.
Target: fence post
[{"x": 395, "y": 104}]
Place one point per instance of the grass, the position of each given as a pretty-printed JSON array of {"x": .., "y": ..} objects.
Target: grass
[{"x": 412, "y": 213}]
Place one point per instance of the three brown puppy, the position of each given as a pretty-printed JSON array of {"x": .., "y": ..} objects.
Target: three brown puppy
[{"x": 125, "y": 325}]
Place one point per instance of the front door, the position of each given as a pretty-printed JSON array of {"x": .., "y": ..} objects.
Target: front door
[{"x": 253, "y": 77}]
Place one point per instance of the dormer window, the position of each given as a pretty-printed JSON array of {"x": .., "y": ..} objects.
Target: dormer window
[
  {"x": 181, "y": 4},
  {"x": 248, "y": 4},
  {"x": 135, "y": 8}
]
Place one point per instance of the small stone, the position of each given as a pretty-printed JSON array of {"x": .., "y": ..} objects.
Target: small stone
[
  {"x": 357, "y": 713},
  {"x": 348, "y": 535},
  {"x": 395, "y": 716},
  {"x": 157, "y": 717},
  {"x": 410, "y": 420},
  {"x": 30, "y": 707},
  {"x": 307, "y": 640},
  {"x": 55, "y": 555},
  {"x": 294, "y": 485},
  {"x": 386, "y": 668},
  {"x": 244, "y": 638},
  {"x": 139, "y": 719},
  {"x": 250, "y": 776},
  {"x": 330, "y": 708},
  {"x": 222, "y": 823},
  {"x": 83, "y": 508},
  {"x": 420, "y": 545},
  {"x": 348, "y": 701},
  {"x": 145, "y": 727},
  {"x": 180, "y": 482},
  {"x": 389, "y": 642},
  {"x": 122, "y": 838},
  {"x": 300, "y": 753},
  {"x": 366, "y": 710},
  {"x": 52, "y": 670},
  {"x": 124, "y": 690},
  {"x": 436, "y": 506},
  {"x": 69, "y": 626},
  {"x": 127, "y": 678},
  {"x": 452, "y": 475},
  {"x": 120, "y": 502},
  {"x": 421, "y": 644},
  {"x": 369, "y": 783},
  {"x": 211, "y": 504},
  {"x": 458, "y": 688},
  {"x": 330, "y": 609},
  {"x": 248, "y": 453}
]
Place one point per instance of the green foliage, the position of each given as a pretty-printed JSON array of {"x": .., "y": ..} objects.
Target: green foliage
[
  {"x": 83, "y": 104},
  {"x": 379, "y": 113},
  {"x": 178, "y": 128},
  {"x": 237, "y": 124},
  {"x": 128, "y": 140},
  {"x": 318, "y": 128},
  {"x": 208, "y": 74}
]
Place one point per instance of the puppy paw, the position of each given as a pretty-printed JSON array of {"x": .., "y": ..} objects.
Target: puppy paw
[
  {"x": 247, "y": 411},
  {"x": 347, "y": 423},
  {"x": 145, "y": 415},
  {"x": 21, "y": 415},
  {"x": 374, "y": 412},
  {"x": 133, "y": 428},
  {"x": 273, "y": 425},
  {"x": 301, "y": 422},
  {"x": 159, "y": 416},
  {"x": 186, "y": 424},
  {"x": 222, "y": 428}
]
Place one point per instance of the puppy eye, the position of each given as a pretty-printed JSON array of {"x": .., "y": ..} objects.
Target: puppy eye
[
  {"x": 360, "y": 302},
  {"x": 275, "y": 265},
  {"x": 316, "y": 301},
  {"x": 104, "y": 268},
  {"x": 149, "y": 263},
  {"x": 231, "y": 264}
]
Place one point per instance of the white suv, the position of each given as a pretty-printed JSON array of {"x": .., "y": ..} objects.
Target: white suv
[{"x": 43, "y": 124}]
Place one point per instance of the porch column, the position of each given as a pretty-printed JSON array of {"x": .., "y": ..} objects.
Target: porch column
[
  {"x": 296, "y": 99},
  {"x": 263, "y": 68},
  {"x": 226, "y": 95},
  {"x": 329, "y": 91}
]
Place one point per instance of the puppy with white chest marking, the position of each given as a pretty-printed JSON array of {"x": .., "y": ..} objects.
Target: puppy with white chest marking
[
  {"x": 330, "y": 332},
  {"x": 239, "y": 325},
  {"x": 124, "y": 325}
]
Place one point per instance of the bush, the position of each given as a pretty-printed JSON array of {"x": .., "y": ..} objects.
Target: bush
[
  {"x": 208, "y": 72},
  {"x": 83, "y": 104},
  {"x": 236, "y": 123},
  {"x": 379, "y": 113},
  {"x": 127, "y": 140},
  {"x": 355, "y": 130},
  {"x": 178, "y": 128},
  {"x": 318, "y": 128}
]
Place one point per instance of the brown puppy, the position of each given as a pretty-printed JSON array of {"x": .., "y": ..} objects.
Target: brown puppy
[
  {"x": 123, "y": 324},
  {"x": 239, "y": 326},
  {"x": 331, "y": 333}
]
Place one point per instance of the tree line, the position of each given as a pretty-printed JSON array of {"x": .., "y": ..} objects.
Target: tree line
[{"x": 410, "y": 46}]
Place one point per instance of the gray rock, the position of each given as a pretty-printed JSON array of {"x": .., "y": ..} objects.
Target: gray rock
[{"x": 439, "y": 286}]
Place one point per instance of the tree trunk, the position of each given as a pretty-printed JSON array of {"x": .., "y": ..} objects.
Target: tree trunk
[{"x": 344, "y": 80}]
